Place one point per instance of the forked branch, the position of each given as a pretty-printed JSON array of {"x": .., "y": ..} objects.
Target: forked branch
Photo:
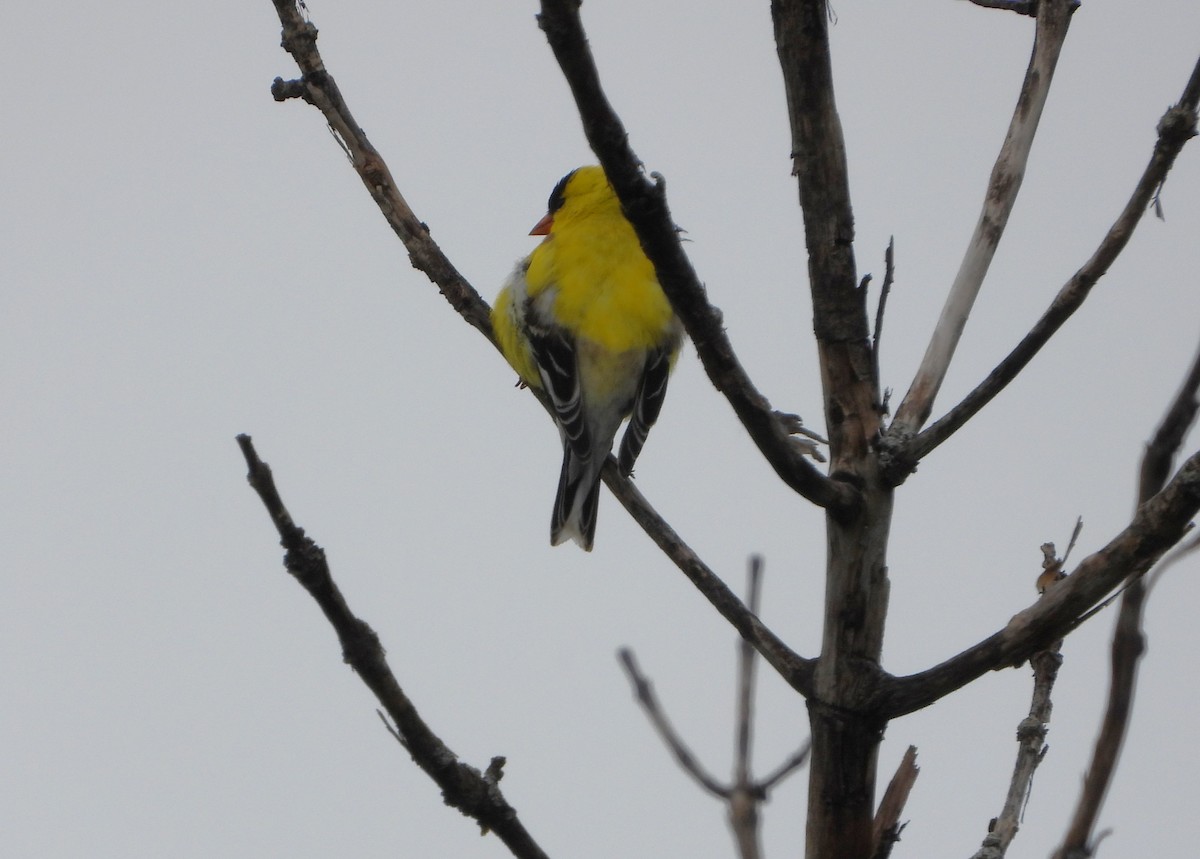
[
  {"x": 1005, "y": 182},
  {"x": 743, "y": 795},
  {"x": 1177, "y": 126}
]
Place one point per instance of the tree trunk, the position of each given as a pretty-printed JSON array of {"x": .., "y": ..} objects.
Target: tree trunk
[
  {"x": 846, "y": 727},
  {"x": 844, "y": 715}
]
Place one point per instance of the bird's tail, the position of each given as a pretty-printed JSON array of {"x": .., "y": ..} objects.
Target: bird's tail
[{"x": 574, "y": 516}]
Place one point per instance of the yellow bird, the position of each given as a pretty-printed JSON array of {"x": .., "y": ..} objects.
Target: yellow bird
[{"x": 584, "y": 318}]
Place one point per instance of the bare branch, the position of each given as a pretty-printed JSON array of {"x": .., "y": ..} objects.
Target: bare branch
[
  {"x": 1176, "y": 127},
  {"x": 1003, "y": 186},
  {"x": 1127, "y": 647},
  {"x": 889, "y": 276},
  {"x": 317, "y": 87},
  {"x": 1031, "y": 733},
  {"x": 644, "y": 692},
  {"x": 1075, "y": 536},
  {"x": 646, "y": 207},
  {"x": 785, "y": 769},
  {"x": 1168, "y": 438},
  {"x": 1031, "y": 749},
  {"x": 1157, "y": 525},
  {"x": 887, "y": 818},
  {"x": 745, "y": 697},
  {"x": 476, "y": 795},
  {"x": 743, "y": 799},
  {"x": 796, "y": 671},
  {"x": 822, "y": 176},
  {"x": 743, "y": 796}
]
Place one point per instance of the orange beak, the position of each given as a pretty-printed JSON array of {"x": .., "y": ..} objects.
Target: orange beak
[{"x": 542, "y": 227}]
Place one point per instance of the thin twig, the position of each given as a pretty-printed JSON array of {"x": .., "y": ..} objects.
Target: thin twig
[
  {"x": 743, "y": 795},
  {"x": 1074, "y": 536},
  {"x": 785, "y": 769},
  {"x": 644, "y": 692},
  {"x": 645, "y": 205},
  {"x": 889, "y": 275},
  {"x": 745, "y": 697},
  {"x": 1177, "y": 126},
  {"x": 795, "y": 670},
  {"x": 1031, "y": 750},
  {"x": 1128, "y": 644},
  {"x": 1003, "y": 186},
  {"x": 318, "y": 88},
  {"x": 463, "y": 787},
  {"x": 1052, "y": 565},
  {"x": 1167, "y": 439},
  {"x": 1031, "y": 732}
]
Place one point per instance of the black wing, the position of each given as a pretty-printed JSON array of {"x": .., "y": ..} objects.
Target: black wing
[
  {"x": 652, "y": 390},
  {"x": 554, "y": 353}
]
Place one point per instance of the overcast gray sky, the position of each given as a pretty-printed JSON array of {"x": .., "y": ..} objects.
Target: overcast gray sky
[{"x": 182, "y": 259}]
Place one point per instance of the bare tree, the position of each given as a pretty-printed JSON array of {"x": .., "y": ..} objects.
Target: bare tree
[{"x": 850, "y": 698}]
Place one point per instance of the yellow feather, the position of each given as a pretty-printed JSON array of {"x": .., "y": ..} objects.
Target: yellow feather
[
  {"x": 507, "y": 328},
  {"x": 606, "y": 288},
  {"x": 588, "y": 303}
]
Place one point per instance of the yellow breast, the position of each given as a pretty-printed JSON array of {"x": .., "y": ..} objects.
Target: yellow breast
[{"x": 605, "y": 287}]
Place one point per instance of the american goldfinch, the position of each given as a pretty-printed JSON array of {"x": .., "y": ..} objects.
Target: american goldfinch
[{"x": 584, "y": 318}]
